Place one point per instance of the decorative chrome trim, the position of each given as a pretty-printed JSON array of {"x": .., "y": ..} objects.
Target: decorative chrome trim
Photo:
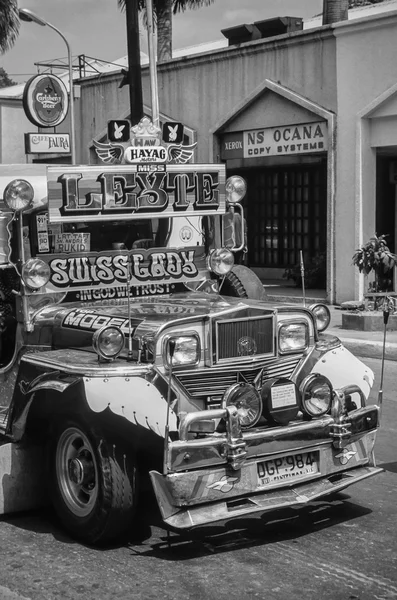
[{"x": 71, "y": 362}]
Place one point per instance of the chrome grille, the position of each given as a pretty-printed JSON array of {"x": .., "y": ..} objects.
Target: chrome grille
[
  {"x": 239, "y": 338},
  {"x": 212, "y": 382}
]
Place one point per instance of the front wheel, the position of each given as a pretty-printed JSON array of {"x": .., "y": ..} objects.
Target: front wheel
[{"x": 93, "y": 484}]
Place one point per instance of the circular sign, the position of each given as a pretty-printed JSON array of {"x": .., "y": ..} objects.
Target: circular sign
[{"x": 45, "y": 100}]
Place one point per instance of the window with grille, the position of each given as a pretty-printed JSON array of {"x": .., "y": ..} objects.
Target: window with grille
[{"x": 286, "y": 213}]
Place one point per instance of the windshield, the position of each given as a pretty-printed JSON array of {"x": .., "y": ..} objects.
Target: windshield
[{"x": 72, "y": 238}]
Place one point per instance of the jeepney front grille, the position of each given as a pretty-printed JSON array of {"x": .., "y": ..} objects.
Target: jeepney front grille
[
  {"x": 210, "y": 384},
  {"x": 242, "y": 338}
]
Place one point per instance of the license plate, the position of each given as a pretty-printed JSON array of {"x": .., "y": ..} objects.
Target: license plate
[{"x": 285, "y": 469}]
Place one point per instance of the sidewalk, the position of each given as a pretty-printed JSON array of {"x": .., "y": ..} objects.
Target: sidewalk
[{"x": 365, "y": 344}]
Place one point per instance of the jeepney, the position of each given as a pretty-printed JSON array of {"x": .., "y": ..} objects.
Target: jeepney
[{"x": 134, "y": 351}]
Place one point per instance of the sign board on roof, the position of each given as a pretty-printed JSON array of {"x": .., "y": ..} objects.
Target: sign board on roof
[{"x": 134, "y": 192}]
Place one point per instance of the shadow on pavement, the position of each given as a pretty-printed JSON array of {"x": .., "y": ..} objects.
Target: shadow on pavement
[
  {"x": 151, "y": 538},
  {"x": 282, "y": 525}
]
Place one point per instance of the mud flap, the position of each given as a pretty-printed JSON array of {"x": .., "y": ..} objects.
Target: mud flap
[
  {"x": 22, "y": 478},
  {"x": 215, "y": 512}
]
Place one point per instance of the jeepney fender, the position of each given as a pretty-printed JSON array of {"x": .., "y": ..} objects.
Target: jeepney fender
[
  {"x": 133, "y": 398},
  {"x": 343, "y": 369},
  {"x": 26, "y": 393}
]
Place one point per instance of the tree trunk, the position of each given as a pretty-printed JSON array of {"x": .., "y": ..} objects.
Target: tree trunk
[
  {"x": 134, "y": 61},
  {"x": 164, "y": 30},
  {"x": 334, "y": 11}
]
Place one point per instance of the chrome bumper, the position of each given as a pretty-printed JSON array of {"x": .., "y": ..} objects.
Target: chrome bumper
[{"x": 222, "y": 510}]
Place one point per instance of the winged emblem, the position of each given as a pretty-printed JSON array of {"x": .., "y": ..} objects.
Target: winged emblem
[
  {"x": 180, "y": 154},
  {"x": 109, "y": 153}
]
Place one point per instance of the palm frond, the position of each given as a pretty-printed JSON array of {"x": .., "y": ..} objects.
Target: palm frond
[{"x": 9, "y": 24}]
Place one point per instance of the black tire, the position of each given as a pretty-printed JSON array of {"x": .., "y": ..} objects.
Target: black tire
[
  {"x": 241, "y": 282},
  {"x": 93, "y": 484}
]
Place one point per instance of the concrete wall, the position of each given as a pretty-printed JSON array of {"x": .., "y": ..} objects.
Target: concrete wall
[
  {"x": 366, "y": 68},
  {"x": 201, "y": 90},
  {"x": 13, "y": 125}
]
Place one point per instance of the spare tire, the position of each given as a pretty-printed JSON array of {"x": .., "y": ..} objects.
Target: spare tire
[{"x": 241, "y": 282}]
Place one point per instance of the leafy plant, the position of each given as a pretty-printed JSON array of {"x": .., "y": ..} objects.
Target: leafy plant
[
  {"x": 315, "y": 273},
  {"x": 375, "y": 256}
]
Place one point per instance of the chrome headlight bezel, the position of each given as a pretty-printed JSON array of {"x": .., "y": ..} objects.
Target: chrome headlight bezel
[
  {"x": 322, "y": 315},
  {"x": 288, "y": 340},
  {"x": 18, "y": 195},
  {"x": 220, "y": 261},
  {"x": 310, "y": 383},
  {"x": 236, "y": 395},
  {"x": 181, "y": 339},
  {"x": 31, "y": 275},
  {"x": 236, "y": 189},
  {"x": 99, "y": 342}
]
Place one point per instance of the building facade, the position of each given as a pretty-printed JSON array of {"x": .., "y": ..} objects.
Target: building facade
[{"x": 308, "y": 118}]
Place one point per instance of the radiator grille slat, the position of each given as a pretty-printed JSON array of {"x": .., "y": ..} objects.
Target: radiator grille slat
[
  {"x": 214, "y": 382},
  {"x": 244, "y": 337}
]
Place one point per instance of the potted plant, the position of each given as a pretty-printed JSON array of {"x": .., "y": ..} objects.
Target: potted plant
[{"x": 375, "y": 256}]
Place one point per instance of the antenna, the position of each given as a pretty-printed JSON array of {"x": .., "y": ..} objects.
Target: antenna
[
  {"x": 171, "y": 347},
  {"x": 129, "y": 279},
  {"x": 386, "y": 312},
  {"x": 303, "y": 277}
]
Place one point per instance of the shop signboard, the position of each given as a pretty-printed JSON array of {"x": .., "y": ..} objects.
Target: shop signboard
[
  {"x": 47, "y": 143},
  {"x": 306, "y": 138}
]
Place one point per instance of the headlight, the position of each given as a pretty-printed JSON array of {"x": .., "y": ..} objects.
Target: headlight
[
  {"x": 182, "y": 350},
  {"x": 18, "y": 194},
  {"x": 35, "y": 273},
  {"x": 236, "y": 188},
  {"x": 293, "y": 337},
  {"x": 108, "y": 342},
  {"x": 316, "y": 395},
  {"x": 322, "y": 315},
  {"x": 247, "y": 400},
  {"x": 221, "y": 261}
]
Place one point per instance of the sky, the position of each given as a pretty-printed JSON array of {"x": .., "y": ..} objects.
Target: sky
[{"x": 97, "y": 28}]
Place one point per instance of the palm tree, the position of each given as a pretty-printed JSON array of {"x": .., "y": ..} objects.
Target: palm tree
[
  {"x": 334, "y": 11},
  {"x": 9, "y": 24},
  {"x": 337, "y": 10},
  {"x": 164, "y": 9}
]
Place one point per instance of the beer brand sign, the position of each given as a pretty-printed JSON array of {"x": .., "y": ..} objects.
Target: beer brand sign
[
  {"x": 45, "y": 100},
  {"x": 134, "y": 192},
  {"x": 305, "y": 138}
]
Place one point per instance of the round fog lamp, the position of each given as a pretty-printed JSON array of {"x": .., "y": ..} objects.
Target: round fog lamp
[
  {"x": 35, "y": 273},
  {"x": 221, "y": 261},
  {"x": 236, "y": 188},
  {"x": 18, "y": 195},
  {"x": 322, "y": 316},
  {"x": 108, "y": 342},
  {"x": 247, "y": 401},
  {"x": 316, "y": 395}
]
